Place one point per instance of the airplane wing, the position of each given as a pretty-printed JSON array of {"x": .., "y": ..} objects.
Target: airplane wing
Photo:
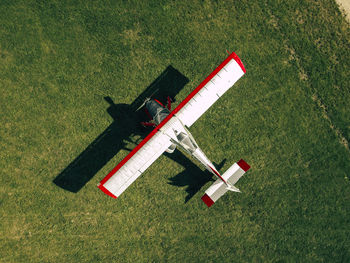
[
  {"x": 188, "y": 111},
  {"x": 135, "y": 163},
  {"x": 210, "y": 90}
]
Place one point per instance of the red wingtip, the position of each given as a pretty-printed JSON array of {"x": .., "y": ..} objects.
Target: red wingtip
[
  {"x": 239, "y": 61},
  {"x": 243, "y": 165},
  {"x": 104, "y": 189},
  {"x": 207, "y": 200}
]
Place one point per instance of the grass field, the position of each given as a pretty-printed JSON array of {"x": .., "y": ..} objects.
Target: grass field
[{"x": 288, "y": 117}]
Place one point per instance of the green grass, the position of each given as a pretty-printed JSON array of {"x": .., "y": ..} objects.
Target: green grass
[{"x": 287, "y": 117}]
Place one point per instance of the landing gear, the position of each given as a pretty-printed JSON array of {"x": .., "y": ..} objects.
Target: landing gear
[{"x": 169, "y": 101}]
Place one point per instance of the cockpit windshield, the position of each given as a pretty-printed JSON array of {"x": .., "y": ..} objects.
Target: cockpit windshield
[
  {"x": 187, "y": 142},
  {"x": 161, "y": 114}
]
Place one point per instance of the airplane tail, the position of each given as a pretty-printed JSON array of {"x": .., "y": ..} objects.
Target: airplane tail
[{"x": 219, "y": 188}]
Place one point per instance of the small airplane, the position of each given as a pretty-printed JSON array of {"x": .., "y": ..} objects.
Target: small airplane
[{"x": 171, "y": 131}]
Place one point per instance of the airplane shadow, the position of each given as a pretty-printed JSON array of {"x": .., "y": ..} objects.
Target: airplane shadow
[
  {"x": 193, "y": 176},
  {"x": 126, "y": 123}
]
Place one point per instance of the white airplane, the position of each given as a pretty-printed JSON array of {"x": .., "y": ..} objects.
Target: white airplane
[{"x": 171, "y": 130}]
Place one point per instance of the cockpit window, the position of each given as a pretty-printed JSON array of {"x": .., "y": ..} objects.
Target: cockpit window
[
  {"x": 161, "y": 115},
  {"x": 186, "y": 142}
]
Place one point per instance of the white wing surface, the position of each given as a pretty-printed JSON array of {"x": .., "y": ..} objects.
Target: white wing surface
[
  {"x": 135, "y": 163},
  {"x": 188, "y": 111},
  {"x": 210, "y": 90}
]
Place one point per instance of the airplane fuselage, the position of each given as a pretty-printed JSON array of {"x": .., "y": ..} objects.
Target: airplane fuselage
[
  {"x": 170, "y": 129},
  {"x": 179, "y": 135}
]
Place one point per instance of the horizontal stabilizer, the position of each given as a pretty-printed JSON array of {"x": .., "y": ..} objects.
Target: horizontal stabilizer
[
  {"x": 214, "y": 192},
  {"x": 219, "y": 187}
]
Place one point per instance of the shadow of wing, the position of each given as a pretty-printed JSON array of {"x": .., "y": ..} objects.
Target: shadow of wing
[
  {"x": 169, "y": 83},
  {"x": 112, "y": 140},
  {"x": 93, "y": 158}
]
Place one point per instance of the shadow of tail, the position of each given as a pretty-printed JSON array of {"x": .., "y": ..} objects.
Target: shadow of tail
[{"x": 193, "y": 176}]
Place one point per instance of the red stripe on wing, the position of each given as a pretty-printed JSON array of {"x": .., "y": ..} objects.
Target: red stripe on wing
[
  {"x": 104, "y": 189},
  {"x": 196, "y": 90},
  {"x": 131, "y": 154},
  {"x": 179, "y": 107}
]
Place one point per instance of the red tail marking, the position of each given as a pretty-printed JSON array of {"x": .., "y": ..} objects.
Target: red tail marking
[
  {"x": 214, "y": 171},
  {"x": 207, "y": 200},
  {"x": 243, "y": 165}
]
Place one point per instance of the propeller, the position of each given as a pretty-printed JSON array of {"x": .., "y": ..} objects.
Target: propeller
[{"x": 147, "y": 99}]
